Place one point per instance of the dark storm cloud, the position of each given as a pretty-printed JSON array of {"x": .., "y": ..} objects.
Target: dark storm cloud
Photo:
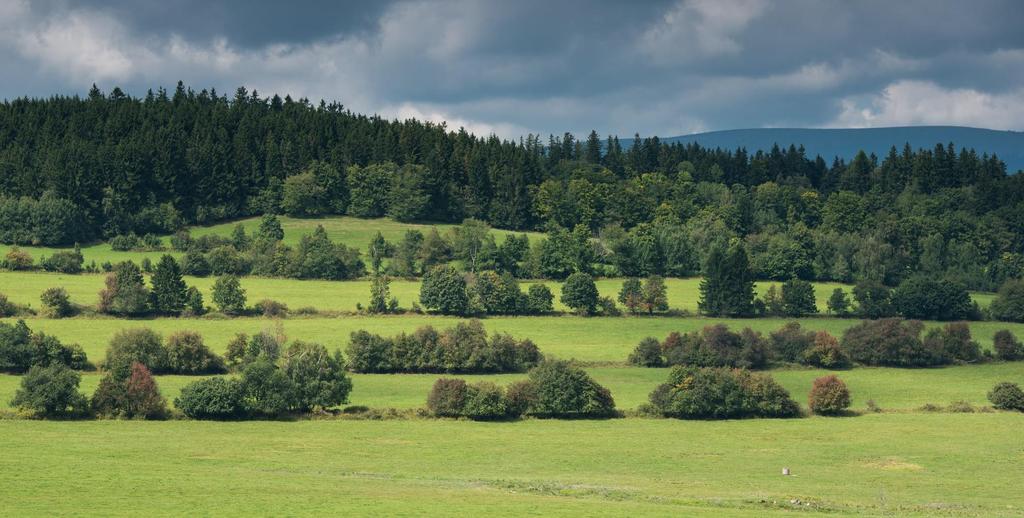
[{"x": 658, "y": 67}]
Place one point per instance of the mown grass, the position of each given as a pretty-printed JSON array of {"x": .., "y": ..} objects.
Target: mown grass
[
  {"x": 25, "y": 288},
  {"x": 873, "y": 465}
]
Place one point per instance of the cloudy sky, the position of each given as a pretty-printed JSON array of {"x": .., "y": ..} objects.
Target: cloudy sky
[{"x": 547, "y": 66}]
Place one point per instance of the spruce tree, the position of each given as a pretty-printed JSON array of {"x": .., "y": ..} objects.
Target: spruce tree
[
  {"x": 728, "y": 285},
  {"x": 169, "y": 290}
]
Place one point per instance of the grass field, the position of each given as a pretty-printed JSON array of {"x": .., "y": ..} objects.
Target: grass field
[
  {"x": 875, "y": 465},
  {"x": 354, "y": 232},
  {"x": 902, "y": 461},
  {"x": 25, "y": 288}
]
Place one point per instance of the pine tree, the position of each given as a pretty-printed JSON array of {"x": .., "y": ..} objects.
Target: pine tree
[
  {"x": 169, "y": 290},
  {"x": 728, "y": 285}
]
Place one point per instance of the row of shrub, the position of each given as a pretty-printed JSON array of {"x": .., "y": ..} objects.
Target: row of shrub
[
  {"x": 555, "y": 388},
  {"x": 463, "y": 348},
  {"x": 885, "y": 342},
  {"x": 184, "y": 352}
]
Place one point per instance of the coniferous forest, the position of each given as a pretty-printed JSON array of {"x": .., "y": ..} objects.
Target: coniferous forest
[{"x": 76, "y": 170}]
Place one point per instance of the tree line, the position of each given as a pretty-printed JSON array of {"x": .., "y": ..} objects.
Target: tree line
[{"x": 76, "y": 169}]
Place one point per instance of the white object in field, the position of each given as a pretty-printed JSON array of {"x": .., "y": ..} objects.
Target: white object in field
[{"x": 785, "y": 471}]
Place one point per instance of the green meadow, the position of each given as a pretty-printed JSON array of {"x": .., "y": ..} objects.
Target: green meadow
[{"x": 906, "y": 460}]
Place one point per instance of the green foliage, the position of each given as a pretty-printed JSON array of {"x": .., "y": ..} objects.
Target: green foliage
[
  {"x": 1007, "y": 396},
  {"x": 21, "y": 349},
  {"x": 791, "y": 342},
  {"x": 141, "y": 345},
  {"x": 874, "y": 299},
  {"x": 51, "y": 392},
  {"x": 56, "y": 303},
  {"x": 64, "y": 261},
  {"x": 728, "y": 285},
  {"x": 267, "y": 390},
  {"x": 1007, "y": 347},
  {"x": 580, "y": 293},
  {"x": 647, "y": 353},
  {"x": 130, "y": 395},
  {"x": 539, "y": 300},
  {"x": 319, "y": 377},
  {"x": 798, "y": 298},
  {"x": 194, "y": 305},
  {"x": 409, "y": 199},
  {"x": 462, "y": 348},
  {"x": 826, "y": 353},
  {"x": 447, "y": 398},
  {"x": 187, "y": 354},
  {"x": 212, "y": 398},
  {"x": 269, "y": 229},
  {"x": 932, "y": 299},
  {"x": 953, "y": 342},
  {"x": 17, "y": 259},
  {"x": 169, "y": 293},
  {"x": 890, "y": 342},
  {"x": 444, "y": 290},
  {"x": 228, "y": 295},
  {"x": 302, "y": 196},
  {"x": 828, "y": 396},
  {"x": 1009, "y": 302},
  {"x": 839, "y": 303},
  {"x": 125, "y": 292},
  {"x": 369, "y": 189},
  {"x": 719, "y": 393},
  {"x": 318, "y": 258},
  {"x": 717, "y": 346},
  {"x": 561, "y": 389},
  {"x": 631, "y": 295},
  {"x": 380, "y": 294}
]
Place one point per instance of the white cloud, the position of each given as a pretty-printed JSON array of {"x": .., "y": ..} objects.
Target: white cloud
[
  {"x": 438, "y": 115},
  {"x": 926, "y": 103},
  {"x": 81, "y": 45},
  {"x": 694, "y": 29}
]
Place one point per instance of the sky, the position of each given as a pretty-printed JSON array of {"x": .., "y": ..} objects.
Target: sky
[{"x": 658, "y": 67}]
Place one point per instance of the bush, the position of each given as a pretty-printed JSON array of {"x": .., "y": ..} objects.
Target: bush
[
  {"x": 195, "y": 264},
  {"x": 8, "y": 308},
  {"x": 647, "y": 353},
  {"x": 953, "y": 342},
  {"x": 720, "y": 393},
  {"x": 520, "y": 396},
  {"x": 125, "y": 242},
  {"x": 562, "y": 389},
  {"x": 826, "y": 353},
  {"x": 463, "y": 348},
  {"x": 17, "y": 259},
  {"x": 228, "y": 295},
  {"x": 1007, "y": 347},
  {"x": 227, "y": 260},
  {"x": 211, "y": 398},
  {"x": 485, "y": 401},
  {"x": 829, "y": 396},
  {"x": 194, "y": 305},
  {"x": 135, "y": 396},
  {"x": 874, "y": 299},
  {"x": 140, "y": 345},
  {"x": 64, "y": 262},
  {"x": 56, "y": 303},
  {"x": 444, "y": 289},
  {"x": 51, "y": 392},
  {"x": 539, "y": 299},
  {"x": 447, "y": 398},
  {"x": 889, "y": 342},
  {"x": 262, "y": 346},
  {"x": 272, "y": 308},
  {"x": 1007, "y": 396},
  {"x": 187, "y": 354},
  {"x": 580, "y": 293},
  {"x": 791, "y": 342},
  {"x": 932, "y": 299},
  {"x": 1009, "y": 302}
]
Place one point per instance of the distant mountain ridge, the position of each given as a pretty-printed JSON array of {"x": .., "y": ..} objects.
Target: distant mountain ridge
[{"x": 844, "y": 143}]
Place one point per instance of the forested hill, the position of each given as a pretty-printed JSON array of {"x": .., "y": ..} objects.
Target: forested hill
[
  {"x": 845, "y": 143},
  {"x": 78, "y": 169}
]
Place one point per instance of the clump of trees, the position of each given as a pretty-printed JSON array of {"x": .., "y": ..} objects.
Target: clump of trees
[
  {"x": 649, "y": 297},
  {"x": 554, "y": 389},
  {"x": 463, "y": 348},
  {"x": 897, "y": 343},
  {"x": 1006, "y": 346},
  {"x": 130, "y": 393},
  {"x": 713, "y": 346},
  {"x": 448, "y": 291},
  {"x": 21, "y": 349},
  {"x": 183, "y": 353},
  {"x": 721, "y": 393},
  {"x": 51, "y": 391},
  {"x": 307, "y": 377},
  {"x": 1009, "y": 302}
]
